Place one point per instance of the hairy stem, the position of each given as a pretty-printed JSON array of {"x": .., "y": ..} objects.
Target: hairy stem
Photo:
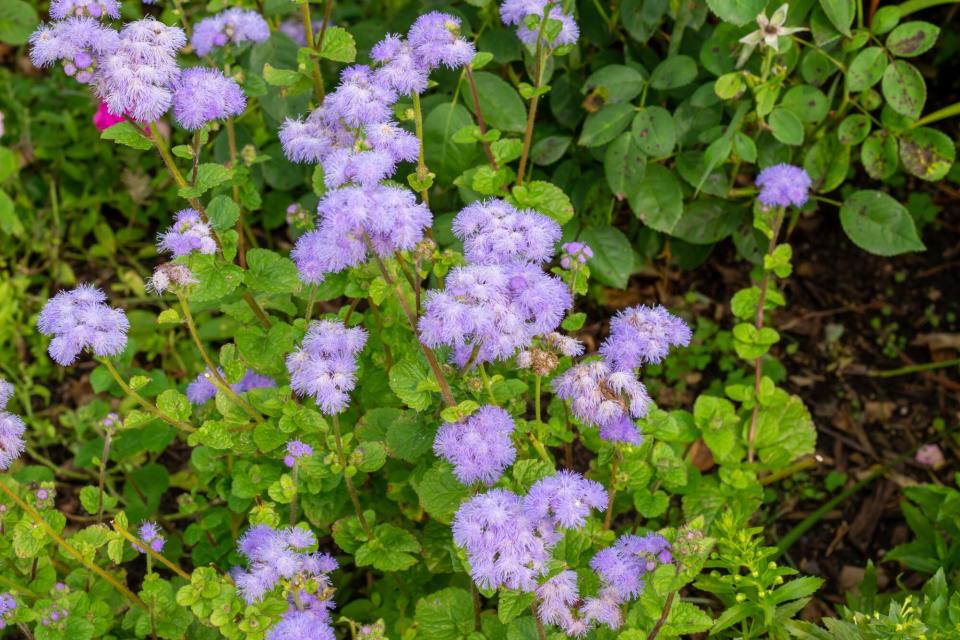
[
  {"x": 107, "y": 438},
  {"x": 149, "y": 407},
  {"x": 663, "y": 616},
  {"x": 608, "y": 516},
  {"x": 422, "y": 172},
  {"x": 150, "y": 552},
  {"x": 315, "y": 72},
  {"x": 541, "y": 632},
  {"x": 352, "y": 490},
  {"x": 541, "y": 61},
  {"x": 293, "y": 500},
  {"x": 480, "y": 121}
]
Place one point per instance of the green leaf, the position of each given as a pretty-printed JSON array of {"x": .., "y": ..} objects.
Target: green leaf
[
  {"x": 90, "y": 500},
  {"x": 223, "y": 213},
  {"x": 408, "y": 437},
  {"x": 270, "y": 272},
  {"x": 653, "y": 131},
  {"x": 879, "y": 224},
  {"x": 444, "y": 156},
  {"x": 904, "y": 89},
  {"x": 854, "y": 129},
  {"x": 642, "y": 17},
  {"x": 445, "y": 615},
  {"x": 390, "y": 550},
  {"x": 879, "y": 155},
  {"x": 624, "y": 166},
  {"x": 413, "y": 384},
  {"x": 441, "y": 493},
  {"x": 658, "y": 199},
  {"x": 612, "y": 261},
  {"x": 674, "y": 72},
  {"x": 18, "y": 19},
  {"x": 827, "y": 163},
  {"x": 338, "y": 45},
  {"x": 174, "y": 403},
  {"x": 927, "y": 153},
  {"x": 124, "y": 133},
  {"x": 513, "y": 604},
  {"x": 912, "y": 39},
  {"x": 605, "y": 125},
  {"x": 840, "y": 13},
  {"x": 500, "y": 103},
  {"x": 615, "y": 83},
  {"x": 785, "y": 431},
  {"x": 280, "y": 77},
  {"x": 216, "y": 278},
  {"x": 866, "y": 69},
  {"x": 806, "y": 102},
  {"x": 786, "y": 126},
  {"x": 209, "y": 175},
  {"x": 708, "y": 220},
  {"x": 739, "y": 12},
  {"x": 546, "y": 198}
]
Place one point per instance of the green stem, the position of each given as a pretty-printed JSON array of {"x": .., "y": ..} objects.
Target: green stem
[
  {"x": 914, "y": 368},
  {"x": 536, "y": 399},
  {"x": 149, "y": 407},
  {"x": 608, "y": 516},
  {"x": 541, "y": 60},
  {"x": 422, "y": 172},
  {"x": 940, "y": 114},
  {"x": 487, "y": 384},
  {"x": 66, "y": 546},
  {"x": 352, "y": 490},
  {"x": 314, "y": 61},
  {"x": 912, "y": 6},
  {"x": 150, "y": 552},
  {"x": 108, "y": 436},
  {"x": 293, "y": 500}
]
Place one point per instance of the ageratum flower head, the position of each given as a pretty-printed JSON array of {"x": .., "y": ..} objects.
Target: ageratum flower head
[
  {"x": 170, "y": 274},
  {"x": 564, "y": 499},
  {"x": 81, "y": 43},
  {"x": 575, "y": 253},
  {"x": 435, "y": 39},
  {"x": 568, "y": 33},
  {"x": 202, "y": 96},
  {"x": 187, "y": 234},
  {"x": 493, "y": 309},
  {"x": 494, "y": 232},
  {"x": 149, "y": 532},
  {"x": 389, "y": 217},
  {"x": 280, "y": 556},
  {"x": 641, "y": 335},
  {"x": 307, "y": 618},
  {"x": 606, "y": 398},
  {"x": 138, "y": 76},
  {"x": 230, "y": 26},
  {"x": 60, "y": 9},
  {"x": 312, "y": 139},
  {"x": 360, "y": 98},
  {"x": 80, "y": 319},
  {"x": 325, "y": 365},
  {"x": 399, "y": 68},
  {"x": 11, "y": 431},
  {"x": 202, "y": 390},
  {"x": 295, "y": 451},
  {"x": 514, "y": 12},
  {"x": 8, "y": 605},
  {"x": 622, "y": 566},
  {"x": 783, "y": 185},
  {"x": 479, "y": 447}
]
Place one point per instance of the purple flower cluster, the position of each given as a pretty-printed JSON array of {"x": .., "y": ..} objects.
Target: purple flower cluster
[
  {"x": 529, "y": 15},
  {"x": 149, "y": 532},
  {"x": 573, "y": 253},
  {"x": 233, "y": 25},
  {"x": 509, "y": 539},
  {"x": 494, "y": 232},
  {"x": 202, "y": 390},
  {"x": 61, "y": 9},
  {"x": 404, "y": 65},
  {"x": 80, "y": 319},
  {"x": 325, "y": 365},
  {"x": 81, "y": 43},
  {"x": 7, "y": 606},
  {"x": 295, "y": 451},
  {"x": 170, "y": 274},
  {"x": 620, "y": 568},
  {"x": 605, "y": 398},
  {"x": 389, "y": 217},
  {"x": 783, "y": 185},
  {"x": 280, "y": 556},
  {"x": 308, "y": 619},
  {"x": 201, "y": 96},
  {"x": 137, "y": 77},
  {"x": 55, "y": 617},
  {"x": 11, "y": 433},
  {"x": 480, "y": 447},
  {"x": 641, "y": 335},
  {"x": 187, "y": 234}
]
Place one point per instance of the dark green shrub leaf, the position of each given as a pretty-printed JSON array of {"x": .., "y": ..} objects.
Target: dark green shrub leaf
[
  {"x": 912, "y": 39},
  {"x": 612, "y": 261},
  {"x": 879, "y": 224},
  {"x": 904, "y": 89},
  {"x": 927, "y": 153}
]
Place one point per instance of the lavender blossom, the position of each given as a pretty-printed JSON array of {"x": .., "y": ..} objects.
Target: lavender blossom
[
  {"x": 605, "y": 398},
  {"x": 295, "y": 451},
  {"x": 202, "y": 96},
  {"x": 360, "y": 99},
  {"x": 60, "y": 9},
  {"x": 280, "y": 557},
  {"x": 494, "y": 232},
  {"x": 783, "y": 185},
  {"x": 137, "y": 77},
  {"x": 80, "y": 319},
  {"x": 564, "y": 499},
  {"x": 6, "y": 392},
  {"x": 307, "y": 618},
  {"x": 622, "y": 565},
  {"x": 641, "y": 335},
  {"x": 149, "y": 533},
  {"x": 202, "y": 390},
  {"x": 480, "y": 447},
  {"x": 230, "y": 26},
  {"x": 8, "y": 605},
  {"x": 568, "y": 34},
  {"x": 557, "y": 597},
  {"x": 325, "y": 364},
  {"x": 514, "y": 12},
  {"x": 435, "y": 39},
  {"x": 11, "y": 432},
  {"x": 400, "y": 68},
  {"x": 81, "y": 43},
  {"x": 574, "y": 253},
  {"x": 187, "y": 234},
  {"x": 311, "y": 140},
  {"x": 389, "y": 217},
  {"x": 170, "y": 274}
]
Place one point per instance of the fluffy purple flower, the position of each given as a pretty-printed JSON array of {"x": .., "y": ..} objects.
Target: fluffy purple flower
[
  {"x": 516, "y": 11},
  {"x": 6, "y": 392},
  {"x": 325, "y": 365},
  {"x": 575, "y": 252},
  {"x": 204, "y": 95},
  {"x": 202, "y": 390},
  {"x": 435, "y": 39},
  {"x": 277, "y": 556},
  {"x": 80, "y": 319},
  {"x": 400, "y": 68},
  {"x": 564, "y": 499},
  {"x": 605, "y": 398},
  {"x": 81, "y": 43},
  {"x": 11, "y": 430},
  {"x": 311, "y": 140},
  {"x": 398, "y": 143},
  {"x": 60, "y": 9},
  {"x": 641, "y": 335},
  {"x": 557, "y": 597},
  {"x": 7, "y": 606},
  {"x": 480, "y": 447},
  {"x": 303, "y": 624},
  {"x": 783, "y": 185},
  {"x": 295, "y": 451},
  {"x": 187, "y": 234},
  {"x": 136, "y": 79},
  {"x": 149, "y": 532},
  {"x": 389, "y": 216},
  {"x": 360, "y": 99},
  {"x": 233, "y": 25},
  {"x": 621, "y": 567},
  {"x": 495, "y": 309},
  {"x": 494, "y": 232},
  {"x": 569, "y": 30}
]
